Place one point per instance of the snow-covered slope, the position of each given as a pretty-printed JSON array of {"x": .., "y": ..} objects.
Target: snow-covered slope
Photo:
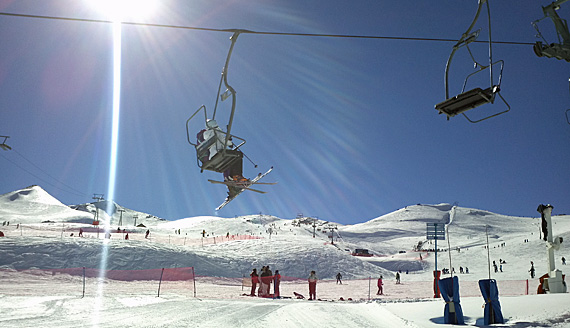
[
  {"x": 34, "y": 205},
  {"x": 257, "y": 240}
]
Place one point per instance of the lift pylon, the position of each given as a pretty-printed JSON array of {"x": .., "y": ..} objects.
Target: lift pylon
[{"x": 560, "y": 50}]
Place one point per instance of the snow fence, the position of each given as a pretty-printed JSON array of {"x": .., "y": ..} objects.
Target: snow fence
[{"x": 183, "y": 282}]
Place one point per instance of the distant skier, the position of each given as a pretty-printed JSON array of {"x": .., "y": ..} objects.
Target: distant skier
[
  {"x": 313, "y": 285},
  {"x": 146, "y": 234},
  {"x": 254, "y": 280},
  {"x": 531, "y": 270},
  {"x": 397, "y": 277},
  {"x": 563, "y": 260},
  {"x": 380, "y": 288},
  {"x": 339, "y": 278}
]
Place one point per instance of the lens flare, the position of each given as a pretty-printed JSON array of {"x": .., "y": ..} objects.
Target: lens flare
[{"x": 121, "y": 10}]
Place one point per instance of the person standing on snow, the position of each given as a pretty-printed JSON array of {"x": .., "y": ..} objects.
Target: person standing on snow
[
  {"x": 262, "y": 282},
  {"x": 531, "y": 270},
  {"x": 338, "y": 278},
  {"x": 254, "y": 280},
  {"x": 276, "y": 281},
  {"x": 397, "y": 277},
  {"x": 268, "y": 281},
  {"x": 313, "y": 286},
  {"x": 380, "y": 288}
]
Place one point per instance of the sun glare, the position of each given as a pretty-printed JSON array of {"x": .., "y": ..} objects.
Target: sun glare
[{"x": 122, "y": 10}]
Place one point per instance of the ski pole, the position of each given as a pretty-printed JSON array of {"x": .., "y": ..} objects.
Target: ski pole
[{"x": 254, "y": 165}]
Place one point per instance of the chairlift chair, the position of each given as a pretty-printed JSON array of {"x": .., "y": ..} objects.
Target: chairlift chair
[
  {"x": 476, "y": 97},
  {"x": 3, "y": 145},
  {"x": 224, "y": 157},
  {"x": 229, "y": 153}
]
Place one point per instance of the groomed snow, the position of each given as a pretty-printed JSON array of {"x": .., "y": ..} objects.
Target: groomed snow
[{"x": 30, "y": 296}]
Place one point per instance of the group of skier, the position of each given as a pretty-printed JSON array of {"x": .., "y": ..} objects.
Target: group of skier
[
  {"x": 264, "y": 280},
  {"x": 262, "y": 283}
]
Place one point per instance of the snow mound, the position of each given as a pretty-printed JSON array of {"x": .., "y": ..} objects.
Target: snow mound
[
  {"x": 28, "y": 204},
  {"x": 32, "y": 194}
]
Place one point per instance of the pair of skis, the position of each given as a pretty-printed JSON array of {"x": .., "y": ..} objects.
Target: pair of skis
[{"x": 243, "y": 185}]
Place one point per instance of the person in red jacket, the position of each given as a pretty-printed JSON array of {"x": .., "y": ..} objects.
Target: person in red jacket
[
  {"x": 313, "y": 286},
  {"x": 254, "y": 281},
  {"x": 380, "y": 288}
]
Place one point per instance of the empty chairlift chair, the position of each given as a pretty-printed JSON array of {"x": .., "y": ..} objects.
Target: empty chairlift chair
[{"x": 476, "y": 97}]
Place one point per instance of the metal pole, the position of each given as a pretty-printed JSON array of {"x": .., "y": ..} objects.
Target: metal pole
[
  {"x": 488, "y": 253},
  {"x": 435, "y": 225},
  {"x": 160, "y": 281},
  {"x": 449, "y": 252},
  {"x": 83, "y": 295},
  {"x": 369, "y": 280},
  {"x": 194, "y": 279}
]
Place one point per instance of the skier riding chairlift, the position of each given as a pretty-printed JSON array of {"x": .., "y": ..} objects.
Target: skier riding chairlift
[
  {"x": 211, "y": 144},
  {"x": 216, "y": 149}
]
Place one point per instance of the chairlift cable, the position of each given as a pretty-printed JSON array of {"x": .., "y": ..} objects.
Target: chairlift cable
[
  {"x": 72, "y": 191},
  {"x": 352, "y": 36},
  {"x": 75, "y": 191}
]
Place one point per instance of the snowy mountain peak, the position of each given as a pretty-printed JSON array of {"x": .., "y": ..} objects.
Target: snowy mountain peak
[{"x": 33, "y": 194}]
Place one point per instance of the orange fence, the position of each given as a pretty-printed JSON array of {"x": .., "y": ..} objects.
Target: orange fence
[{"x": 183, "y": 282}]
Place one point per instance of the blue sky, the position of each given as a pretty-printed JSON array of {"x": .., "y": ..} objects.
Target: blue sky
[{"x": 348, "y": 124}]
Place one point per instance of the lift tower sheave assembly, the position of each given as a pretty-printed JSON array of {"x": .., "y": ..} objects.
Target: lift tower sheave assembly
[{"x": 560, "y": 50}]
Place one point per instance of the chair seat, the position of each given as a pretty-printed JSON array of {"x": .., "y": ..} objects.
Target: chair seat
[
  {"x": 466, "y": 101},
  {"x": 222, "y": 160}
]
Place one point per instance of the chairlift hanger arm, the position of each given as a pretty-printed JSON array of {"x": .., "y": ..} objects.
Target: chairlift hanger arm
[
  {"x": 465, "y": 39},
  {"x": 229, "y": 87}
]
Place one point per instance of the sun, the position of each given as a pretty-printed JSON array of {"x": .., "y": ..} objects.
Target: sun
[{"x": 123, "y": 10}]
